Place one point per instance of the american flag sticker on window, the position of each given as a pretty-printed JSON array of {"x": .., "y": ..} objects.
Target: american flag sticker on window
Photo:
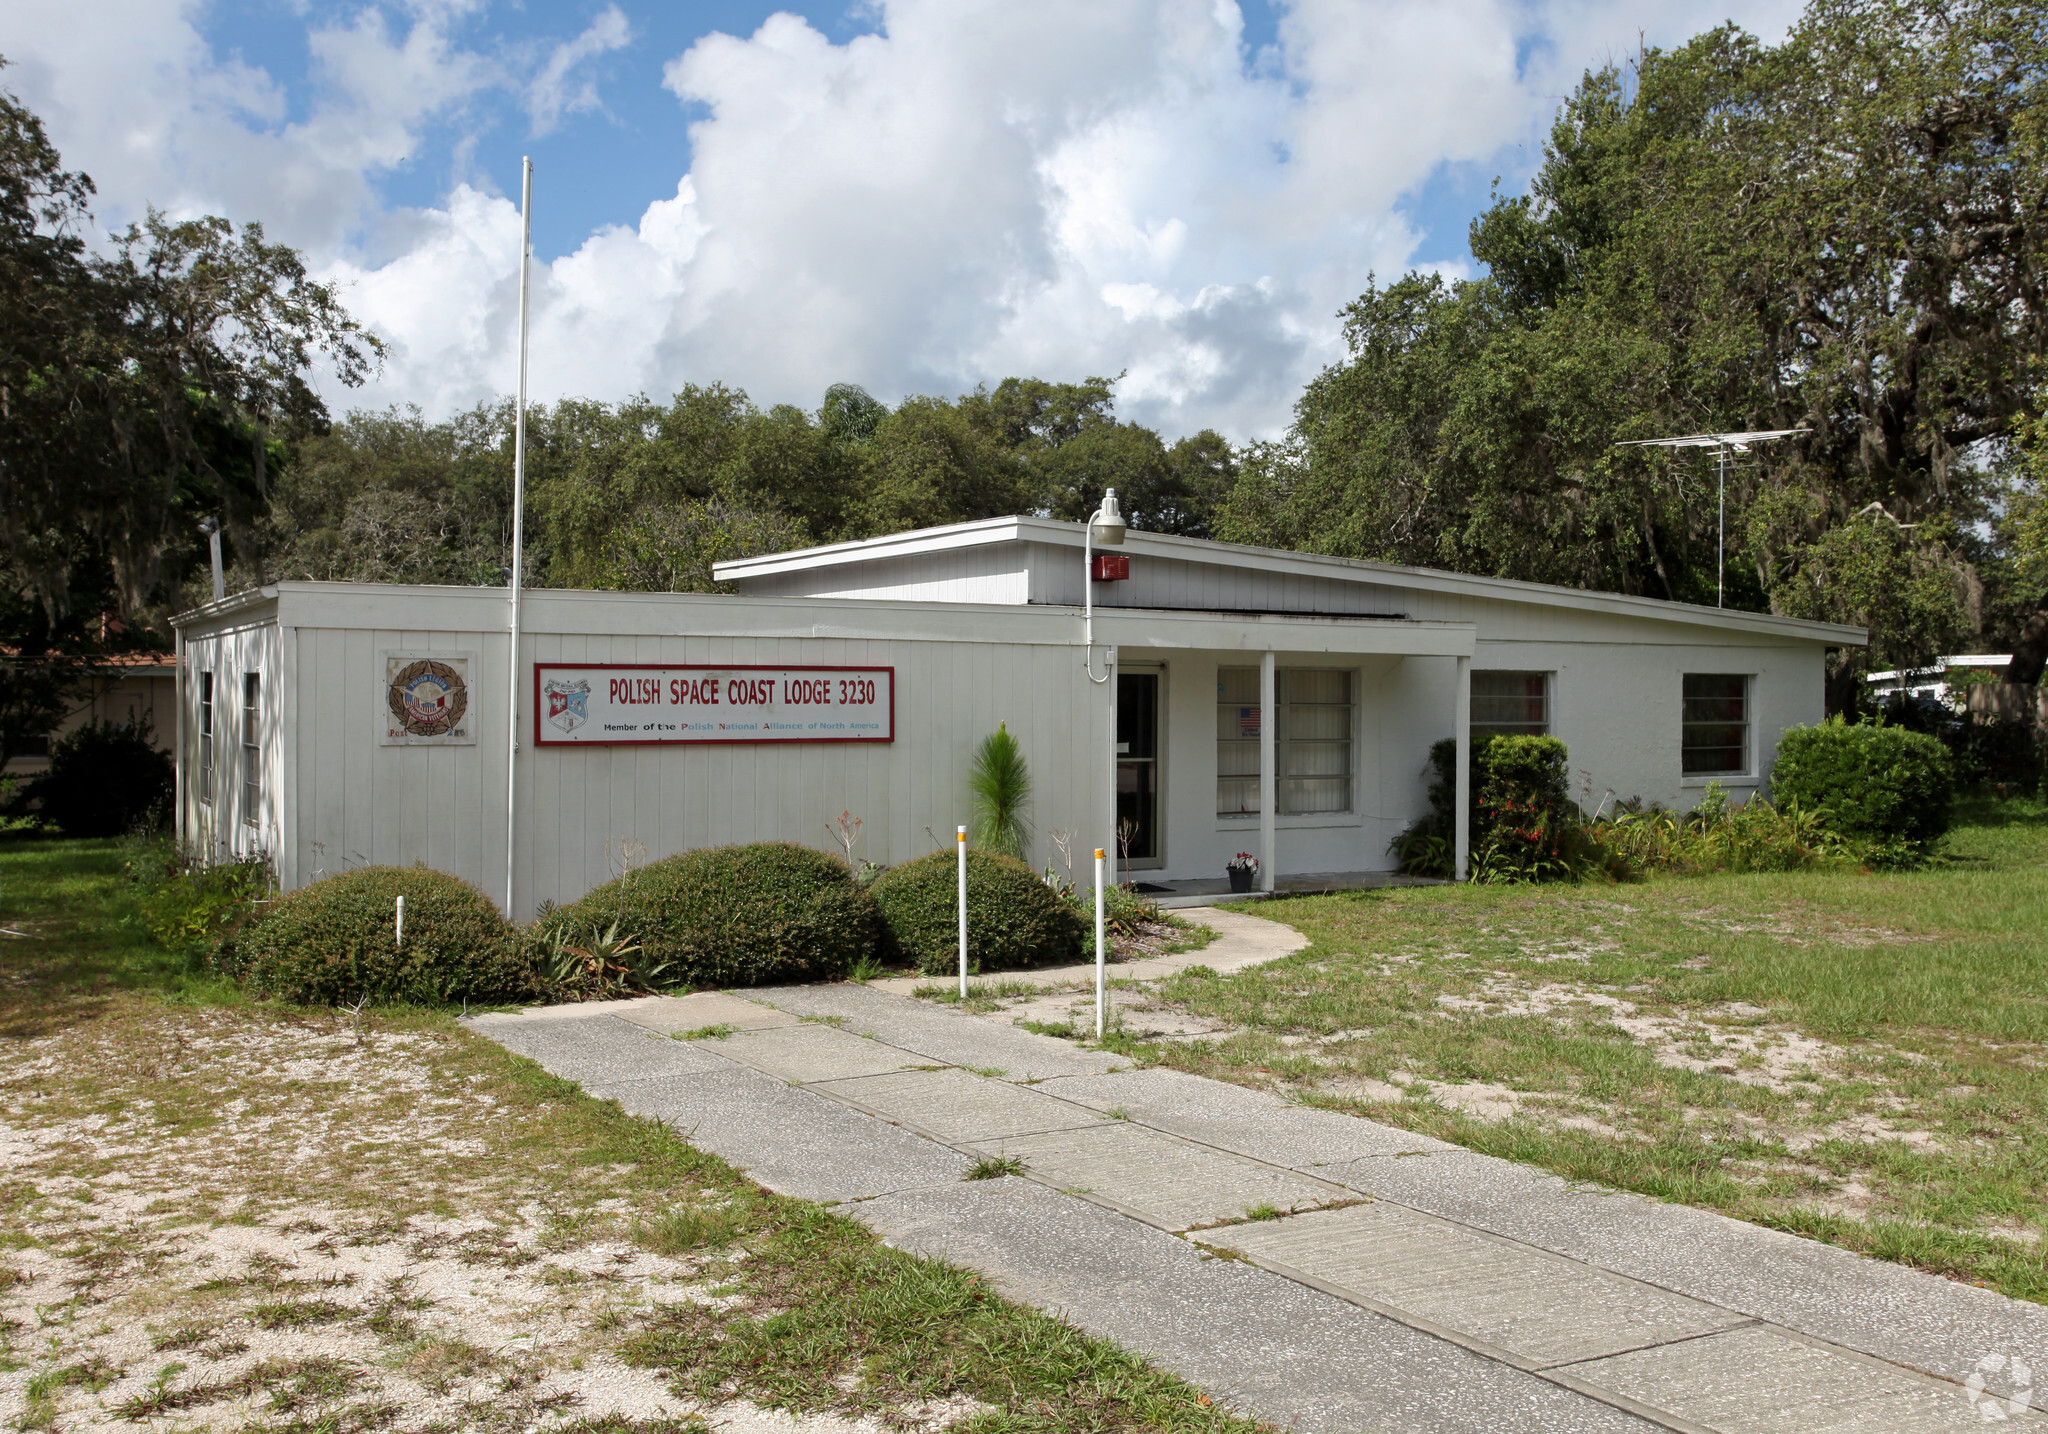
[{"x": 1247, "y": 721}]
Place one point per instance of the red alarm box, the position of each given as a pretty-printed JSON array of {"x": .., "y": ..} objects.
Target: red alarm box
[{"x": 1111, "y": 567}]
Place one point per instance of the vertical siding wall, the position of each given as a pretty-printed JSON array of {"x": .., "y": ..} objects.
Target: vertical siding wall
[
  {"x": 219, "y": 823},
  {"x": 357, "y": 801}
]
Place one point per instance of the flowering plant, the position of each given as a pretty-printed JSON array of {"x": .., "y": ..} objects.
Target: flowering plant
[{"x": 1243, "y": 861}]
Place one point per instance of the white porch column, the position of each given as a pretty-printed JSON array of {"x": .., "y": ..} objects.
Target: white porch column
[
  {"x": 1107, "y": 841},
  {"x": 1268, "y": 785},
  {"x": 1461, "y": 842}
]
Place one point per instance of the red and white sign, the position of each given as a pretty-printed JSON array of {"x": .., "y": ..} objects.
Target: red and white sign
[{"x": 582, "y": 704}]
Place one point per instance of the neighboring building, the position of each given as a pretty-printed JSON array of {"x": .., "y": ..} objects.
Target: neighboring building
[
  {"x": 1933, "y": 683},
  {"x": 122, "y": 687},
  {"x": 1236, "y": 699}
]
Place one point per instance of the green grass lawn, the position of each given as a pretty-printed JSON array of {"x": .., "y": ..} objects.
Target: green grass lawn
[
  {"x": 263, "y": 1218},
  {"x": 1850, "y": 1055}
]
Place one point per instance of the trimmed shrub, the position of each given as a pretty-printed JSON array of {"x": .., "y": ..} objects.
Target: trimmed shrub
[
  {"x": 105, "y": 778},
  {"x": 1877, "y": 784},
  {"x": 1013, "y": 918},
  {"x": 333, "y": 941},
  {"x": 1525, "y": 826},
  {"x": 732, "y": 916}
]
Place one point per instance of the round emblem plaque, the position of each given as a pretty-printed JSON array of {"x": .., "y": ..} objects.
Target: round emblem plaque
[{"x": 428, "y": 698}]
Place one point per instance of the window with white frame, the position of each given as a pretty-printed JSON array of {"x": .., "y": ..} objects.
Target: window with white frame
[
  {"x": 1715, "y": 727},
  {"x": 206, "y": 737},
  {"x": 1510, "y": 704},
  {"x": 1311, "y": 740},
  {"x": 252, "y": 747}
]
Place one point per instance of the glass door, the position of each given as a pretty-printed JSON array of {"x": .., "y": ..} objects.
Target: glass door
[{"x": 1137, "y": 769}]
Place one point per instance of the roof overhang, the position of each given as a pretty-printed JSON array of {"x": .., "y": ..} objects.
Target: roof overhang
[
  {"x": 414, "y": 607},
  {"x": 993, "y": 531},
  {"x": 234, "y": 605}
]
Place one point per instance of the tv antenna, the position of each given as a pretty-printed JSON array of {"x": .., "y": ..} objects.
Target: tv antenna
[{"x": 1723, "y": 444}]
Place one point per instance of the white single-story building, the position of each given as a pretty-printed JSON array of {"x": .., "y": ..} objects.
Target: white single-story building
[
  {"x": 1933, "y": 683},
  {"x": 1235, "y": 699}
]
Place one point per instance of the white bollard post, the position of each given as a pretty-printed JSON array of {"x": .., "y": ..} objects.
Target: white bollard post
[
  {"x": 1101, "y": 958},
  {"x": 399, "y": 922},
  {"x": 960, "y": 840}
]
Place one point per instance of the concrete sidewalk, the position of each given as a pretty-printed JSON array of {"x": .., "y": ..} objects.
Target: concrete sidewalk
[
  {"x": 1241, "y": 940},
  {"x": 1315, "y": 1269}
]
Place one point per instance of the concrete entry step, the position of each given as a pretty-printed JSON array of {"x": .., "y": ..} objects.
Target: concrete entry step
[{"x": 1163, "y": 1181}]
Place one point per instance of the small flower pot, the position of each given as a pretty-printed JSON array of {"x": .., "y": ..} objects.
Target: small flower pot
[{"x": 1240, "y": 877}]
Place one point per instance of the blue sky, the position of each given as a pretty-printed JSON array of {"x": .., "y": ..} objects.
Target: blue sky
[{"x": 917, "y": 195}]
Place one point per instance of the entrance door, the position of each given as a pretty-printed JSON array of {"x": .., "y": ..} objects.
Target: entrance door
[{"x": 1137, "y": 769}]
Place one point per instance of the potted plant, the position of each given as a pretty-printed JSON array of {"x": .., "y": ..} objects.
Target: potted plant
[{"x": 1242, "y": 869}]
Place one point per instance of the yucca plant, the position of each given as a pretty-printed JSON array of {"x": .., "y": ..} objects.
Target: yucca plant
[{"x": 1000, "y": 784}]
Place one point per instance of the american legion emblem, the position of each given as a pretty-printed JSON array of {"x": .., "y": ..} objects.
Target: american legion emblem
[
  {"x": 568, "y": 702},
  {"x": 428, "y": 699}
]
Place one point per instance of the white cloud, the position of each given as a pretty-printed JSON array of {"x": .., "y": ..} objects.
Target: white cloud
[
  {"x": 558, "y": 89},
  {"x": 978, "y": 189},
  {"x": 133, "y": 95}
]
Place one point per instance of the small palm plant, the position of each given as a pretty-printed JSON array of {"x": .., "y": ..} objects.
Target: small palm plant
[{"x": 1000, "y": 785}]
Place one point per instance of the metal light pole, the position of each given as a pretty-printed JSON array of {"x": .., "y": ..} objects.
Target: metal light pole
[
  {"x": 1105, "y": 526},
  {"x": 1723, "y": 444},
  {"x": 518, "y": 540}
]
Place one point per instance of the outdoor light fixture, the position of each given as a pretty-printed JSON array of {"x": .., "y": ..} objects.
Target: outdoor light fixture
[{"x": 1107, "y": 527}]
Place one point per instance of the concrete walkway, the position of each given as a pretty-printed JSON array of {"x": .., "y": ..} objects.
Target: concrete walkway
[
  {"x": 1311, "y": 1268},
  {"x": 1241, "y": 940}
]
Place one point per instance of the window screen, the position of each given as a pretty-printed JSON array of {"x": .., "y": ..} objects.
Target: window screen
[
  {"x": 252, "y": 747},
  {"x": 1312, "y": 740},
  {"x": 1315, "y": 740},
  {"x": 206, "y": 736},
  {"x": 1237, "y": 740},
  {"x": 1716, "y": 724},
  {"x": 1510, "y": 704}
]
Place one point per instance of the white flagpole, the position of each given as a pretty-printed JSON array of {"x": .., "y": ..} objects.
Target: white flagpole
[{"x": 518, "y": 540}]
